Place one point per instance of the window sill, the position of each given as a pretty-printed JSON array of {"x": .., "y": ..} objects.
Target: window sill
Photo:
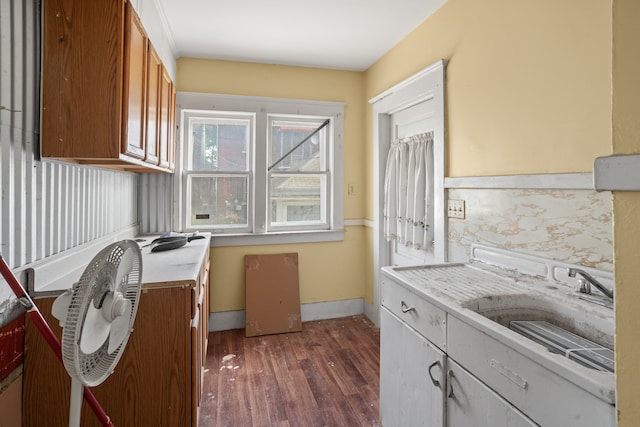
[{"x": 222, "y": 240}]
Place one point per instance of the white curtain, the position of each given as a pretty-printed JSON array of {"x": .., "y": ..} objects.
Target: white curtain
[{"x": 407, "y": 191}]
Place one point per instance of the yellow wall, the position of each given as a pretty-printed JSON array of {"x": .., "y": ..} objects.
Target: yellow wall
[
  {"x": 529, "y": 90},
  {"x": 528, "y": 83},
  {"x": 626, "y": 209},
  {"x": 328, "y": 271}
]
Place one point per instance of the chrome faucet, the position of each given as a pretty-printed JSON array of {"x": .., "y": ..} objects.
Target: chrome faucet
[{"x": 589, "y": 278}]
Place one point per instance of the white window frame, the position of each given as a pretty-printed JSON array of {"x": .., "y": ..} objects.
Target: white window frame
[{"x": 262, "y": 108}]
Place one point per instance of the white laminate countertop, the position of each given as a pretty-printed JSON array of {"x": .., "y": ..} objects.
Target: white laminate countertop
[
  {"x": 177, "y": 266},
  {"x": 173, "y": 267}
]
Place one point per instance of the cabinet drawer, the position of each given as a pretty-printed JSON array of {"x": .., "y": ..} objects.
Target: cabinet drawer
[
  {"x": 427, "y": 319},
  {"x": 530, "y": 387},
  {"x": 471, "y": 403}
]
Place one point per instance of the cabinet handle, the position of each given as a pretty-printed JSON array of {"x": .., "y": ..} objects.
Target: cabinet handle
[
  {"x": 450, "y": 382},
  {"x": 405, "y": 308},
  {"x": 433, "y": 380}
]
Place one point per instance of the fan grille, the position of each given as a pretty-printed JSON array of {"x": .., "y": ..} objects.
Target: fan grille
[{"x": 98, "y": 278}]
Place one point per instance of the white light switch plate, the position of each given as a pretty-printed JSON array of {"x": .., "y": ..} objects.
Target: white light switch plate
[{"x": 455, "y": 209}]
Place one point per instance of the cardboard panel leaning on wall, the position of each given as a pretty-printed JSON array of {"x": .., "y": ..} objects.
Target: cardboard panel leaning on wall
[{"x": 272, "y": 294}]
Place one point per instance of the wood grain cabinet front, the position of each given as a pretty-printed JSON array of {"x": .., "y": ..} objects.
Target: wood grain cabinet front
[
  {"x": 158, "y": 380},
  {"x": 154, "y": 66},
  {"x": 96, "y": 84}
]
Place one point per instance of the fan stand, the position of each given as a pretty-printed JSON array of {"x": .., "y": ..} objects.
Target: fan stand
[
  {"x": 75, "y": 402},
  {"x": 51, "y": 339}
]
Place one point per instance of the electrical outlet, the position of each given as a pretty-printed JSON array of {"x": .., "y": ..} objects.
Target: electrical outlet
[{"x": 455, "y": 209}]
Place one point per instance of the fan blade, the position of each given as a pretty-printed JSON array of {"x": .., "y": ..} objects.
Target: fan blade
[
  {"x": 119, "y": 329},
  {"x": 94, "y": 331},
  {"x": 125, "y": 266},
  {"x": 61, "y": 306}
]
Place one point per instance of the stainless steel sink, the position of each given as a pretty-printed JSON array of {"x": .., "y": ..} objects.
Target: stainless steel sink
[{"x": 565, "y": 327}]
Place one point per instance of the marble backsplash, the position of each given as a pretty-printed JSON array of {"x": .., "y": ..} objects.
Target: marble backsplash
[{"x": 574, "y": 226}]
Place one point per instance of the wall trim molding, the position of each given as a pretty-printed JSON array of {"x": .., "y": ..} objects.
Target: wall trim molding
[
  {"x": 236, "y": 319},
  {"x": 619, "y": 172},
  {"x": 561, "y": 181}
]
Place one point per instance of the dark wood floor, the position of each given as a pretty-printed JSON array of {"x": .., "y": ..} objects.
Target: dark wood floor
[{"x": 326, "y": 375}]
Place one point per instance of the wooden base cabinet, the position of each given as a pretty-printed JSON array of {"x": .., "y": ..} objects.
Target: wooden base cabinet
[{"x": 158, "y": 380}]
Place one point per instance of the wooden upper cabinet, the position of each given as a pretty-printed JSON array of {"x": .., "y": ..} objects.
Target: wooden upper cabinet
[
  {"x": 153, "y": 105},
  {"x": 97, "y": 80},
  {"x": 82, "y": 87},
  {"x": 173, "y": 129},
  {"x": 135, "y": 83},
  {"x": 167, "y": 104}
]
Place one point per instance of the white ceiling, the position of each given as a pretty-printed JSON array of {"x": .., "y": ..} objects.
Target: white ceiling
[{"x": 338, "y": 34}]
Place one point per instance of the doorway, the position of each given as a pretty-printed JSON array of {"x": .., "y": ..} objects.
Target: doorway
[{"x": 413, "y": 106}]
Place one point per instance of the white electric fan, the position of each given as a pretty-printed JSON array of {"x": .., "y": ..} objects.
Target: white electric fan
[{"x": 97, "y": 316}]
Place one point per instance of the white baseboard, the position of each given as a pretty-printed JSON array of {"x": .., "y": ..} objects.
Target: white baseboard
[
  {"x": 224, "y": 320},
  {"x": 372, "y": 312}
]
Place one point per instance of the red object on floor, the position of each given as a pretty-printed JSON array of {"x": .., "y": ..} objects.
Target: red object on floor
[{"x": 11, "y": 346}]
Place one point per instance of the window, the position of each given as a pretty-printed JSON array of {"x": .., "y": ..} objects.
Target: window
[{"x": 258, "y": 170}]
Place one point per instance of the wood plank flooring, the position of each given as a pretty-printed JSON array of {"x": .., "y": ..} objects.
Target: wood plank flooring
[{"x": 326, "y": 375}]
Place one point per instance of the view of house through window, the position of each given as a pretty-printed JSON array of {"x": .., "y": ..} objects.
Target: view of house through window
[
  {"x": 256, "y": 170},
  {"x": 298, "y": 171}
]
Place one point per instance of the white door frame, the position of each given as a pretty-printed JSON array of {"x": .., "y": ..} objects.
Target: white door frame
[{"x": 425, "y": 85}]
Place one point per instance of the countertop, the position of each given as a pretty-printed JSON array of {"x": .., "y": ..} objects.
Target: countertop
[
  {"x": 177, "y": 266},
  {"x": 461, "y": 289}
]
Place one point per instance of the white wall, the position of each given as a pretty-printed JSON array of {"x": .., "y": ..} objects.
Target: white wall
[{"x": 154, "y": 23}]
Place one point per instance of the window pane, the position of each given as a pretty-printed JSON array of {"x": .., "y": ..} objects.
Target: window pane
[
  {"x": 308, "y": 157},
  {"x": 297, "y": 199},
  {"x": 219, "y": 201},
  {"x": 220, "y": 144}
]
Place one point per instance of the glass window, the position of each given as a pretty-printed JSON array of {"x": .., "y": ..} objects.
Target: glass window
[{"x": 257, "y": 166}]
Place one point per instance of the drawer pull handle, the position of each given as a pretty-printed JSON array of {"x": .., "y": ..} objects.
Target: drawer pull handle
[
  {"x": 509, "y": 374},
  {"x": 451, "y": 376},
  {"x": 405, "y": 308},
  {"x": 433, "y": 380}
]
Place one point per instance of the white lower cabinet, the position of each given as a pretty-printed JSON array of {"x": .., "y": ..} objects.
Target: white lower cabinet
[
  {"x": 470, "y": 403},
  {"x": 411, "y": 376},
  {"x": 415, "y": 392}
]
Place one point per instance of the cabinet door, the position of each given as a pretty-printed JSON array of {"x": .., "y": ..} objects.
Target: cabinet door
[
  {"x": 471, "y": 403},
  {"x": 82, "y": 77},
  {"x": 408, "y": 362},
  {"x": 151, "y": 383},
  {"x": 135, "y": 70},
  {"x": 196, "y": 365},
  {"x": 166, "y": 101},
  {"x": 172, "y": 129},
  {"x": 152, "y": 105}
]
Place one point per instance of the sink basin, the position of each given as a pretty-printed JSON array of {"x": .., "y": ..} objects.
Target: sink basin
[{"x": 581, "y": 318}]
